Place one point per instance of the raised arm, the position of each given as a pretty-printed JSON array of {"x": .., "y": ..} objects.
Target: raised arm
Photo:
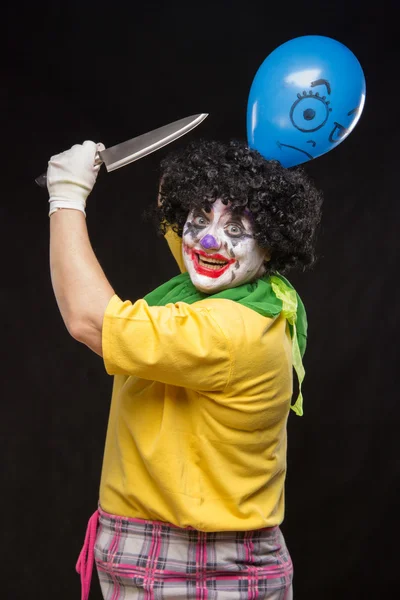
[{"x": 80, "y": 286}]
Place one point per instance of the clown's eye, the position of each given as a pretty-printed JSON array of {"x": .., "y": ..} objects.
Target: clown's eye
[
  {"x": 310, "y": 112},
  {"x": 234, "y": 230},
  {"x": 200, "y": 221}
]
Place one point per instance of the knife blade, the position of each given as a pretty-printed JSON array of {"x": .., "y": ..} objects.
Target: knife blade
[{"x": 127, "y": 152}]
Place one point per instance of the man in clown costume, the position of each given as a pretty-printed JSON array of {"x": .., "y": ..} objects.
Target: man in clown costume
[{"x": 192, "y": 487}]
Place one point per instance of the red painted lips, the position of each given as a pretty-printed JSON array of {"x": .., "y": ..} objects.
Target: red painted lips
[{"x": 200, "y": 258}]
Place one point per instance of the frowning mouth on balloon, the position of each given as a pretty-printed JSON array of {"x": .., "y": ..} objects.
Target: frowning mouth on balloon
[{"x": 309, "y": 156}]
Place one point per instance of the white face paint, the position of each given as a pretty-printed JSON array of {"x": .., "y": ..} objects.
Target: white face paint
[{"x": 219, "y": 249}]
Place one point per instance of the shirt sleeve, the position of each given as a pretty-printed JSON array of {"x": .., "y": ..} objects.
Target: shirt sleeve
[{"x": 177, "y": 344}]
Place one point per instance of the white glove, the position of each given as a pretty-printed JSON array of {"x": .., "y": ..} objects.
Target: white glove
[{"x": 71, "y": 176}]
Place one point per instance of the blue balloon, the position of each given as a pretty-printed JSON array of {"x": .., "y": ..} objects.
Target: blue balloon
[{"x": 306, "y": 98}]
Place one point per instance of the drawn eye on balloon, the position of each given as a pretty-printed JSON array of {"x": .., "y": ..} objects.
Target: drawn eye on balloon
[{"x": 309, "y": 112}]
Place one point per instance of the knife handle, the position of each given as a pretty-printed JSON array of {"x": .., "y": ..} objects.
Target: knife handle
[{"x": 42, "y": 179}]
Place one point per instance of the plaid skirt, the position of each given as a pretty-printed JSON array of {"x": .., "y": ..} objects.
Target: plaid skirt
[{"x": 151, "y": 560}]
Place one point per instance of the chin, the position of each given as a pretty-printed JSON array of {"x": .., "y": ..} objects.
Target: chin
[
  {"x": 209, "y": 289},
  {"x": 213, "y": 288}
]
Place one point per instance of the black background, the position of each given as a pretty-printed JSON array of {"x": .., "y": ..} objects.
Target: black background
[{"x": 110, "y": 71}]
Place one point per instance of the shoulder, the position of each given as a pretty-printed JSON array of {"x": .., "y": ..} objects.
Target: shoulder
[
  {"x": 230, "y": 313},
  {"x": 258, "y": 345},
  {"x": 243, "y": 326}
]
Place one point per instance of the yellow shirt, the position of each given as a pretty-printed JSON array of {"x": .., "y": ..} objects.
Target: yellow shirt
[{"x": 197, "y": 428}]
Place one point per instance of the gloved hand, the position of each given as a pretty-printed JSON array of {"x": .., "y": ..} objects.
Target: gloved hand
[{"x": 71, "y": 176}]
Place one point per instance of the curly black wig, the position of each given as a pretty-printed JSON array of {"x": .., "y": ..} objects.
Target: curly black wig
[{"x": 284, "y": 203}]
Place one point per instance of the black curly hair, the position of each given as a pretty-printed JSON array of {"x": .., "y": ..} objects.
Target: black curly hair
[{"x": 284, "y": 203}]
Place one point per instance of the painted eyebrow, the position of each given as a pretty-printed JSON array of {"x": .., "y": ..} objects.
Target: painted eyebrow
[
  {"x": 231, "y": 213},
  {"x": 238, "y": 217},
  {"x": 322, "y": 82},
  {"x": 199, "y": 210}
]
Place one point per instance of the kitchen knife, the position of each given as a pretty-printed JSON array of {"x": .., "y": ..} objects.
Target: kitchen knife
[{"x": 131, "y": 150}]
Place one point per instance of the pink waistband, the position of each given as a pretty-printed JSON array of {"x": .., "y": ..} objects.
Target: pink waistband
[{"x": 84, "y": 566}]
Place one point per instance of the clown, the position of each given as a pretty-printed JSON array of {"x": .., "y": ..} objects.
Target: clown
[
  {"x": 221, "y": 230},
  {"x": 192, "y": 486}
]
